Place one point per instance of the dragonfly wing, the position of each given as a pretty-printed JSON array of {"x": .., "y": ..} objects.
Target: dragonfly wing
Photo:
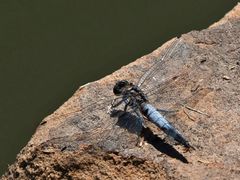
[
  {"x": 92, "y": 124},
  {"x": 175, "y": 76},
  {"x": 162, "y": 63}
]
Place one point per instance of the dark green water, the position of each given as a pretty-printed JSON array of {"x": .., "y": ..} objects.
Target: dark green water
[{"x": 49, "y": 48}]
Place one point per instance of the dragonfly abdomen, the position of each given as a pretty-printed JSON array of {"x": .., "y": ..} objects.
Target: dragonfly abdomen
[{"x": 155, "y": 117}]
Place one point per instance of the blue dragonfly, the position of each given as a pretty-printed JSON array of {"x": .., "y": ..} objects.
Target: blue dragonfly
[{"x": 134, "y": 98}]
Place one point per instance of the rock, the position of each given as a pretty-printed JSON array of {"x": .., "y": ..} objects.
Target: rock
[{"x": 81, "y": 141}]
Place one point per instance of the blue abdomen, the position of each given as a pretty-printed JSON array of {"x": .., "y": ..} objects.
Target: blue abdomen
[{"x": 155, "y": 117}]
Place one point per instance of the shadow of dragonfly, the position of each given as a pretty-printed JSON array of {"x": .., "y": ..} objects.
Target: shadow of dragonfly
[{"x": 131, "y": 123}]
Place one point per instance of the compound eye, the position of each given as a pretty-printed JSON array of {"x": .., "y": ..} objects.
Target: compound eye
[
  {"x": 119, "y": 87},
  {"x": 122, "y": 83},
  {"x": 116, "y": 91}
]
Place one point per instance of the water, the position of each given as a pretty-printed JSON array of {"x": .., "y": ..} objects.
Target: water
[{"x": 49, "y": 48}]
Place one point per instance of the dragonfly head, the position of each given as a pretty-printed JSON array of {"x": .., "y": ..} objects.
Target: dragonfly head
[{"x": 121, "y": 87}]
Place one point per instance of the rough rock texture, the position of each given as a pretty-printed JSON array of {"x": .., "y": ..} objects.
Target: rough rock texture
[{"x": 81, "y": 141}]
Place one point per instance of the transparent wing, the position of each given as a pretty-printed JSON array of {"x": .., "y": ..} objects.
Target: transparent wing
[
  {"x": 161, "y": 64},
  {"x": 179, "y": 78},
  {"x": 92, "y": 124},
  {"x": 171, "y": 76},
  {"x": 178, "y": 90}
]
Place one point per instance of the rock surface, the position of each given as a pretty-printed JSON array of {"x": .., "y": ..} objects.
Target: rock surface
[{"x": 81, "y": 141}]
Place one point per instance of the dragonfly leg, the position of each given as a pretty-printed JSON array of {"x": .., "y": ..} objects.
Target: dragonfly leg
[
  {"x": 126, "y": 106},
  {"x": 114, "y": 104},
  {"x": 140, "y": 139},
  {"x": 140, "y": 116}
]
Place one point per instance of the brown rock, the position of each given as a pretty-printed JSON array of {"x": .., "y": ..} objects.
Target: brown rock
[{"x": 81, "y": 141}]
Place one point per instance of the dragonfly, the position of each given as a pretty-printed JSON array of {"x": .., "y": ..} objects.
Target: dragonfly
[
  {"x": 159, "y": 84},
  {"x": 134, "y": 98}
]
